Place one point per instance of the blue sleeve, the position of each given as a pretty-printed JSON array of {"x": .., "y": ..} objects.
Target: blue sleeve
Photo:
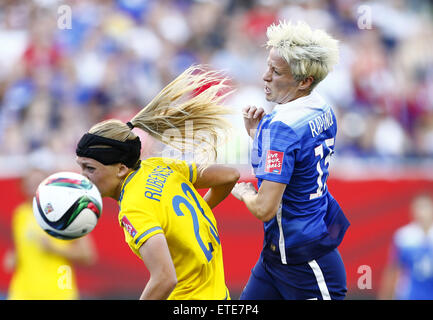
[{"x": 279, "y": 147}]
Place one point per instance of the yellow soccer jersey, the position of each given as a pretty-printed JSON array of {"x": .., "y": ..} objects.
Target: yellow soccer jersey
[
  {"x": 159, "y": 197},
  {"x": 39, "y": 274}
]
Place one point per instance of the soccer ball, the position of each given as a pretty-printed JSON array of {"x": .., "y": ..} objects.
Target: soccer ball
[{"x": 67, "y": 205}]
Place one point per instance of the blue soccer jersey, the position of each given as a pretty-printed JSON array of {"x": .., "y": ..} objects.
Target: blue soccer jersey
[
  {"x": 413, "y": 252},
  {"x": 293, "y": 145}
]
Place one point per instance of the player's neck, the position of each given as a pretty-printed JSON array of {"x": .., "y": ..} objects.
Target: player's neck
[
  {"x": 426, "y": 227},
  {"x": 117, "y": 193}
]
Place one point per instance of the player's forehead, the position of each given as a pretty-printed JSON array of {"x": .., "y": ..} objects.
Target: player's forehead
[{"x": 275, "y": 60}]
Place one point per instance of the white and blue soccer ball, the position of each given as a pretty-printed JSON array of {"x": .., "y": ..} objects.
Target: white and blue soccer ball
[{"x": 67, "y": 205}]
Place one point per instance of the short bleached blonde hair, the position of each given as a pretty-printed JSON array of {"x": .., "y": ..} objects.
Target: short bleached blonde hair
[{"x": 308, "y": 52}]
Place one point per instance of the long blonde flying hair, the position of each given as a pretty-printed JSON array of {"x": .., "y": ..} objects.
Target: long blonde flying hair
[{"x": 195, "y": 97}]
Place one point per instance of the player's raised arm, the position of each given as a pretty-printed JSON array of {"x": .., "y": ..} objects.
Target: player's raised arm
[
  {"x": 219, "y": 179},
  {"x": 252, "y": 116}
]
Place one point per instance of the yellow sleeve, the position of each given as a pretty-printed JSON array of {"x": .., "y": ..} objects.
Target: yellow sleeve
[
  {"x": 187, "y": 169},
  {"x": 138, "y": 226}
]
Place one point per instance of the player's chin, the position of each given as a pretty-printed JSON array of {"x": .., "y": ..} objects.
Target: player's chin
[{"x": 269, "y": 98}]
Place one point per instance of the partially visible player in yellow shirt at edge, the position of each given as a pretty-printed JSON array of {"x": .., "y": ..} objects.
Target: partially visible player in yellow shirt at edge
[
  {"x": 165, "y": 220},
  {"x": 43, "y": 266}
]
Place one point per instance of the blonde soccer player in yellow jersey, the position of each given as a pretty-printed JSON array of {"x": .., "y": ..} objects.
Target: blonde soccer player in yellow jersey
[
  {"x": 165, "y": 220},
  {"x": 42, "y": 266}
]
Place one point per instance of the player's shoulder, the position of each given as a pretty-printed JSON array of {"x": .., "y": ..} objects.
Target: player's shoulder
[
  {"x": 296, "y": 113},
  {"x": 23, "y": 208},
  {"x": 133, "y": 185},
  {"x": 22, "y": 213},
  {"x": 157, "y": 161},
  {"x": 140, "y": 192},
  {"x": 164, "y": 162},
  {"x": 289, "y": 116},
  {"x": 176, "y": 167},
  {"x": 408, "y": 235}
]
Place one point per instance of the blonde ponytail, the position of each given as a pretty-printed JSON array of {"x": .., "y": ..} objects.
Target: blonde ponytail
[{"x": 191, "y": 104}]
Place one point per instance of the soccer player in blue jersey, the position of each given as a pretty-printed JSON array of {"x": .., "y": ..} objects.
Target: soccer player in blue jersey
[
  {"x": 409, "y": 273},
  {"x": 303, "y": 224}
]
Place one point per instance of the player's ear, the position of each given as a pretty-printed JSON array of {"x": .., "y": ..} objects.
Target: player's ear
[
  {"x": 306, "y": 83},
  {"x": 122, "y": 171}
]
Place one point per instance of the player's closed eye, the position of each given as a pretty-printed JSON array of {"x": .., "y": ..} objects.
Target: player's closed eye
[{"x": 89, "y": 169}]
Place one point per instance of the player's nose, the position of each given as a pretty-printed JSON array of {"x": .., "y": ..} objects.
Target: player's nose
[{"x": 267, "y": 75}]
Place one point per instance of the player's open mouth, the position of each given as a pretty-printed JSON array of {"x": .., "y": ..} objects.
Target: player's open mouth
[{"x": 267, "y": 90}]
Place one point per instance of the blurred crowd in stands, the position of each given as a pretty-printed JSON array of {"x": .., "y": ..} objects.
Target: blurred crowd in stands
[{"x": 60, "y": 76}]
